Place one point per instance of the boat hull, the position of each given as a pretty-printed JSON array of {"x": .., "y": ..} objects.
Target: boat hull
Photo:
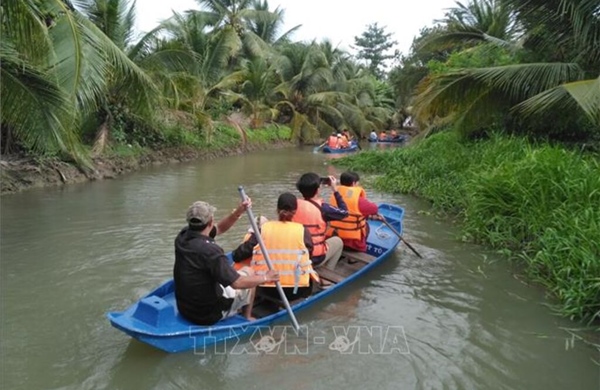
[
  {"x": 154, "y": 319},
  {"x": 397, "y": 140}
]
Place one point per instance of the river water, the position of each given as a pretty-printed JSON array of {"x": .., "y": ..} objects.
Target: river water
[{"x": 457, "y": 319}]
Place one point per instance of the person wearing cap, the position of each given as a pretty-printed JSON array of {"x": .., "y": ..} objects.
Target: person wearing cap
[
  {"x": 207, "y": 288},
  {"x": 314, "y": 214},
  {"x": 353, "y": 230},
  {"x": 289, "y": 246}
]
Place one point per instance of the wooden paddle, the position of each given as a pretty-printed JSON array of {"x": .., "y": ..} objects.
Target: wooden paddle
[
  {"x": 315, "y": 150},
  {"x": 400, "y": 236},
  {"x": 263, "y": 249}
]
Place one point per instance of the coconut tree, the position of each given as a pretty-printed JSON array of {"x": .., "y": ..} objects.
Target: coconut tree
[
  {"x": 475, "y": 22},
  {"x": 475, "y": 98},
  {"x": 258, "y": 80},
  {"x": 315, "y": 97},
  {"x": 55, "y": 43},
  {"x": 267, "y": 25}
]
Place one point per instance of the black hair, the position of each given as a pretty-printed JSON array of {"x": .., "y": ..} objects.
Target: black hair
[
  {"x": 308, "y": 184},
  {"x": 349, "y": 178}
]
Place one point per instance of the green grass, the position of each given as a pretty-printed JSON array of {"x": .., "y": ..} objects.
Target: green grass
[{"x": 539, "y": 204}]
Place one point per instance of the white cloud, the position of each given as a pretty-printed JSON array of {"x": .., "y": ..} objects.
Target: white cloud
[{"x": 338, "y": 20}]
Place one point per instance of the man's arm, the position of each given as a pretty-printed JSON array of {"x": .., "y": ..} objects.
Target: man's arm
[
  {"x": 366, "y": 207},
  {"x": 227, "y": 222},
  {"x": 308, "y": 241},
  {"x": 332, "y": 213},
  {"x": 245, "y": 249}
]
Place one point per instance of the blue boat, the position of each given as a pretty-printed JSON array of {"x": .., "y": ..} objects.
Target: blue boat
[
  {"x": 397, "y": 140},
  {"x": 154, "y": 319},
  {"x": 352, "y": 148}
]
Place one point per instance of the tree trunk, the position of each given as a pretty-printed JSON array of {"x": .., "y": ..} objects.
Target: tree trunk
[{"x": 102, "y": 136}]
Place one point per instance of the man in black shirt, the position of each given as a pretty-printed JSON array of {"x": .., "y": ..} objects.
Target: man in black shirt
[{"x": 207, "y": 288}]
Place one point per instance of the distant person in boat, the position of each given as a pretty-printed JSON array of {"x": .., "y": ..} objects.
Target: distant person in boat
[
  {"x": 207, "y": 288},
  {"x": 343, "y": 141},
  {"x": 347, "y": 134},
  {"x": 314, "y": 214},
  {"x": 332, "y": 141},
  {"x": 393, "y": 134},
  {"x": 373, "y": 136},
  {"x": 354, "y": 229},
  {"x": 242, "y": 255},
  {"x": 383, "y": 136},
  {"x": 289, "y": 245}
]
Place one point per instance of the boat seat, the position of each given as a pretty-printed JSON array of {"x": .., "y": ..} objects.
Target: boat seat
[
  {"x": 330, "y": 275},
  {"x": 354, "y": 257}
]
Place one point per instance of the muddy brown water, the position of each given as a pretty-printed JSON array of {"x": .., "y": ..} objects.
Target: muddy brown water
[{"x": 457, "y": 319}]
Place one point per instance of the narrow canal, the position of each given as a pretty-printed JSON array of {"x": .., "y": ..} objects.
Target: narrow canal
[{"x": 69, "y": 255}]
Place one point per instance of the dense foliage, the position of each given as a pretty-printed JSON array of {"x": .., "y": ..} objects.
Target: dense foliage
[
  {"x": 534, "y": 202},
  {"x": 74, "y": 80}
]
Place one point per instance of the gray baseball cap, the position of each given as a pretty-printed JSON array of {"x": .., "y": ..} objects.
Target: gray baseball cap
[{"x": 200, "y": 213}]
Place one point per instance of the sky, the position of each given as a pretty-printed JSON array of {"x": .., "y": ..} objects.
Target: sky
[{"x": 338, "y": 20}]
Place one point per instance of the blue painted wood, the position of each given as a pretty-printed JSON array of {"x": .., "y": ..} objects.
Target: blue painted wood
[{"x": 154, "y": 319}]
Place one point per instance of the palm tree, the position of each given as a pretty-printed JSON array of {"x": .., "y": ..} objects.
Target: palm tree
[
  {"x": 267, "y": 24},
  {"x": 256, "y": 91},
  {"x": 56, "y": 65},
  {"x": 479, "y": 21},
  {"x": 115, "y": 19},
  {"x": 475, "y": 98}
]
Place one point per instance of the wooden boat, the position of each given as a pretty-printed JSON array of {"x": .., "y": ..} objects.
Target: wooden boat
[
  {"x": 154, "y": 319},
  {"x": 397, "y": 140}
]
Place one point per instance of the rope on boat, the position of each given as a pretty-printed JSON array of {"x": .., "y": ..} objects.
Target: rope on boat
[{"x": 381, "y": 234}]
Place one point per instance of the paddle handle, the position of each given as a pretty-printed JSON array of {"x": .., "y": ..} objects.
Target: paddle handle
[
  {"x": 263, "y": 248},
  {"x": 400, "y": 237}
]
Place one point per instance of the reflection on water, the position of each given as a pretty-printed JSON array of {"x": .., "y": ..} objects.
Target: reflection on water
[{"x": 71, "y": 254}]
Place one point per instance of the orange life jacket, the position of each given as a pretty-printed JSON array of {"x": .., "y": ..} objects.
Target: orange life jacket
[
  {"x": 246, "y": 262},
  {"x": 354, "y": 226},
  {"x": 332, "y": 141},
  {"x": 344, "y": 143},
  {"x": 309, "y": 215},
  {"x": 284, "y": 242}
]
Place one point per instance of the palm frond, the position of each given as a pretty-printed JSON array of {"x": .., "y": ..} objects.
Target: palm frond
[{"x": 584, "y": 94}]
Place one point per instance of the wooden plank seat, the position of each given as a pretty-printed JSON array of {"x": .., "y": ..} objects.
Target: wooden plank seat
[
  {"x": 354, "y": 257},
  {"x": 330, "y": 275}
]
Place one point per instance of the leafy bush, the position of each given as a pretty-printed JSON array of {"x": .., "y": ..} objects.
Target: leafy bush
[{"x": 538, "y": 203}]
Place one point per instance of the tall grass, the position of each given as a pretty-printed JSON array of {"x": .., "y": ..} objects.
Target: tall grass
[{"x": 537, "y": 203}]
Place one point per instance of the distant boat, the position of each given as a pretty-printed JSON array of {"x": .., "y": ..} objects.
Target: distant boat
[
  {"x": 397, "y": 140},
  {"x": 154, "y": 319},
  {"x": 352, "y": 148}
]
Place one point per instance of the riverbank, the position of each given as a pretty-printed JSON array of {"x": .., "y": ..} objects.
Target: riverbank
[
  {"x": 20, "y": 173},
  {"x": 535, "y": 203}
]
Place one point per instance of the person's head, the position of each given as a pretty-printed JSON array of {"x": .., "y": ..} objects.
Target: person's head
[
  {"x": 348, "y": 179},
  {"x": 287, "y": 204},
  {"x": 200, "y": 215},
  {"x": 308, "y": 185},
  {"x": 339, "y": 135}
]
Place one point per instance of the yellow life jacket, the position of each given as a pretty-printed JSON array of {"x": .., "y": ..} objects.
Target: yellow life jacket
[
  {"x": 284, "y": 242},
  {"x": 354, "y": 226},
  {"x": 309, "y": 215}
]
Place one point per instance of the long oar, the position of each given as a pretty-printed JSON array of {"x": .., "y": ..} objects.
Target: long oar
[
  {"x": 316, "y": 149},
  {"x": 268, "y": 260},
  {"x": 400, "y": 237}
]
